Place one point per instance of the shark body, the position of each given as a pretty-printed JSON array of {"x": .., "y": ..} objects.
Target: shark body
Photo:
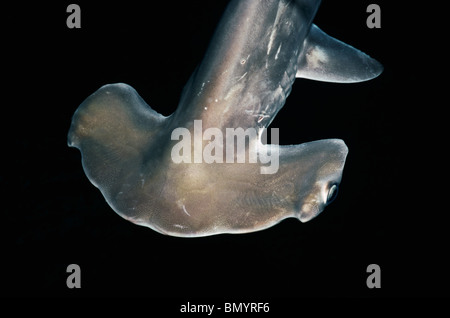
[{"x": 258, "y": 50}]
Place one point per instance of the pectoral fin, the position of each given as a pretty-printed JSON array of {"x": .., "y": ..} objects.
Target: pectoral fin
[{"x": 327, "y": 59}]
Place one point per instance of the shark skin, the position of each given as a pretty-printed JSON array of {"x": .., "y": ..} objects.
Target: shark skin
[{"x": 258, "y": 50}]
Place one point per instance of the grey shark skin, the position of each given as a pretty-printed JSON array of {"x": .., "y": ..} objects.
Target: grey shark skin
[{"x": 257, "y": 51}]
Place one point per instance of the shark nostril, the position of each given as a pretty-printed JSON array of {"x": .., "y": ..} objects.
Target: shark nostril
[{"x": 309, "y": 211}]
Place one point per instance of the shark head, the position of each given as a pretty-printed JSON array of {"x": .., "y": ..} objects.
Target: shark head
[
  {"x": 327, "y": 160},
  {"x": 258, "y": 50}
]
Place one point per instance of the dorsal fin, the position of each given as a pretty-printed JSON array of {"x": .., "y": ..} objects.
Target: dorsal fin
[{"x": 327, "y": 59}]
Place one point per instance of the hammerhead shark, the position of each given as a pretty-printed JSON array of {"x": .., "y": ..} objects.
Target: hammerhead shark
[{"x": 151, "y": 172}]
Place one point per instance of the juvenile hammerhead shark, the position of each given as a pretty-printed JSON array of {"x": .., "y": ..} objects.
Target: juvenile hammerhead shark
[{"x": 257, "y": 51}]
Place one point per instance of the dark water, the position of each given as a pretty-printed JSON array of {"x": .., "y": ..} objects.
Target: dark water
[{"x": 53, "y": 216}]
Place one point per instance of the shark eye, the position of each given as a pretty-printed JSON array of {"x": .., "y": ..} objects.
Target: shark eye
[{"x": 332, "y": 193}]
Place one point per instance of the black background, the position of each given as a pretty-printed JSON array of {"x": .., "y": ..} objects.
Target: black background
[{"x": 53, "y": 217}]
